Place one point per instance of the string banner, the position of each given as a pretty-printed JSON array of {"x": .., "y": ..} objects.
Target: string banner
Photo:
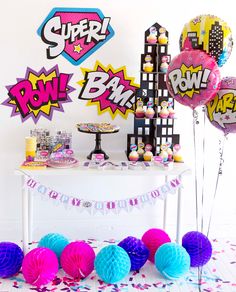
[{"x": 105, "y": 207}]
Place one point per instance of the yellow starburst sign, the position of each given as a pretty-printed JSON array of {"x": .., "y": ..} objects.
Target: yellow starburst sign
[{"x": 110, "y": 89}]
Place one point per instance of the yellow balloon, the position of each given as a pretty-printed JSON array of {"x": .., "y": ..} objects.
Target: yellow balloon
[{"x": 210, "y": 34}]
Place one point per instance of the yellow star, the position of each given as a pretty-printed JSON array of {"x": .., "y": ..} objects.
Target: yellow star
[{"x": 78, "y": 48}]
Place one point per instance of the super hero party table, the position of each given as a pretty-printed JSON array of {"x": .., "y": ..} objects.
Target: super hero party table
[{"x": 178, "y": 170}]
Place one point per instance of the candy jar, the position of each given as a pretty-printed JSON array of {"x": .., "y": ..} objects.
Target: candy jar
[
  {"x": 152, "y": 37},
  {"x": 171, "y": 110},
  {"x": 164, "y": 113},
  {"x": 148, "y": 66},
  {"x": 140, "y": 149},
  {"x": 177, "y": 153},
  {"x": 164, "y": 154},
  {"x": 150, "y": 111},
  {"x": 139, "y": 112},
  {"x": 164, "y": 65},
  {"x": 147, "y": 156},
  {"x": 133, "y": 156},
  {"x": 162, "y": 39}
]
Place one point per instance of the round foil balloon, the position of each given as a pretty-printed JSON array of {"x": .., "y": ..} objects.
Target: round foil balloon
[
  {"x": 193, "y": 78},
  {"x": 221, "y": 110},
  {"x": 210, "y": 34}
]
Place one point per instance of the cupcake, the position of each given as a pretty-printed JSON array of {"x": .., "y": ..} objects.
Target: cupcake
[
  {"x": 148, "y": 66},
  {"x": 162, "y": 39},
  {"x": 147, "y": 156},
  {"x": 139, "y": 113},
  {"x": 149, "y": 113},
  {"x": 164, "y": 112},
  {"x": 133, "y": 156},
  {"x": 152, "y": 37}
]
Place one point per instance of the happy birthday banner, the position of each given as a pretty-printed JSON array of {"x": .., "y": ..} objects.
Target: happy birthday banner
[{"x": 105, "y": 207}]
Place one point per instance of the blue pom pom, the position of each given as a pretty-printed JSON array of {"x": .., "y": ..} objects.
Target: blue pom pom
[
  {"x": 54, "y": 241},
  {"x": 137, "y": 251},
  {"x": 172, "y": 260},
  {"x": 112, "y": 264},
  {"x": 11, "y": 257}
]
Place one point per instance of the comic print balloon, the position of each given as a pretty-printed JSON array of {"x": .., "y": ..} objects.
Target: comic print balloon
[
  {"x": 193, "y": 78},
  {"x": 221, "y": 111},
  {"x": 210, "y": 34}
]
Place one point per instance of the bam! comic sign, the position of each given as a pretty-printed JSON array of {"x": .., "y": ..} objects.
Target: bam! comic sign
[
  {"x": 75, "y": 33},
  {"x": 39, "y": 94},
  {"x": 111, "y": 90}
]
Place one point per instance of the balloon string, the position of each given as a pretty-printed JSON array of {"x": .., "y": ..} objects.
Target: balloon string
[
  {"x": 202, "y": 195},
  {"x": 221, "y": 161},
  {"x": 195, "y": 121},
  {"x": 203, "y": 169}
]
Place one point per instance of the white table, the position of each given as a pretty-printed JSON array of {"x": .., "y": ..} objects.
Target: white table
[{"x": 178, "y": 169}]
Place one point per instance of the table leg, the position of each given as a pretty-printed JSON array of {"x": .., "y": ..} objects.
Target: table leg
[
  {"x": 165, "y": 208},
  {"x": 25, "y": 216},
  {"x": 179, "y": 203},
  {"x": 30, "y": 216}
]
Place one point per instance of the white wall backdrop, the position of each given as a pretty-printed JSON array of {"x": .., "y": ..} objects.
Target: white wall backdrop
[{"x": 21, "y": 47}]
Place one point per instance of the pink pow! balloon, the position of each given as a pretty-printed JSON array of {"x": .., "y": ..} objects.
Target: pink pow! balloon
[
  {"x": 40, "y": 266},
  {"x": 221, "y": 110},
  {"x": 193, "y": 78},
  {"x": 153, "y": 239},
  {"x": 77, "y": 259}
]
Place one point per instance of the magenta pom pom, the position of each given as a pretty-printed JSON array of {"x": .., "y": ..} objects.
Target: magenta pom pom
[
  {"x": 77, "y": 259},
  {"x": 40, "y": 266},
  {"x": 153, "y": 239}
]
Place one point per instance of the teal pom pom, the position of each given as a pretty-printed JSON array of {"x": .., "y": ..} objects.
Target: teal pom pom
[
  {"x": 172, "y": 260},
  {"x": 54, "y": 241},
  {"x": 112, "y": 264}
]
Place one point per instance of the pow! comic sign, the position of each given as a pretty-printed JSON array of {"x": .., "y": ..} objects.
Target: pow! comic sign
[{"x": 39, "y": 94}]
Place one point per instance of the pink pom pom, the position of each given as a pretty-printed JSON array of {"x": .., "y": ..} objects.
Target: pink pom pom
[
  {"x": 40, "y": 266},
  {"x": 77, "y": 259},
  {"x": 153, "y": 239}
]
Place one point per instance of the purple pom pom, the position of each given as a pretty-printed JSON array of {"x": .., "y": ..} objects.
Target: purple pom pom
[
  {"x": 11, "y": 257},
  {"x": 198, "y": 247},
  {"x": 137, "y": 251}
]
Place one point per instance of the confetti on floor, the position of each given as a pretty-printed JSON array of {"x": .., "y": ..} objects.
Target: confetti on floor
[{"x": 219, "y": 275}]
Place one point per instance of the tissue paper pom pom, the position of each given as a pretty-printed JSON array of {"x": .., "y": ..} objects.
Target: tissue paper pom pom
[
  {"x": 54, "y": 241},
  {"x": 153, "y": 239},
  {"x": 172, "y": 260},
  {"x": 40, "y": 266},
  {"x": 77, "y": 259},
  {"x": 198, "y": 247},
  {"x": 137, "y": 251},
  {"x": 112, "y": 264},
  {"x": 11, "y": 257}
]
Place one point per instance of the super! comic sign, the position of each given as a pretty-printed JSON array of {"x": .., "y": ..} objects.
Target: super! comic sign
[
  {"x": 39, "y": 94},
  {"x": 111, "y": 90},
  {"x": 75, "y": 33}
]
